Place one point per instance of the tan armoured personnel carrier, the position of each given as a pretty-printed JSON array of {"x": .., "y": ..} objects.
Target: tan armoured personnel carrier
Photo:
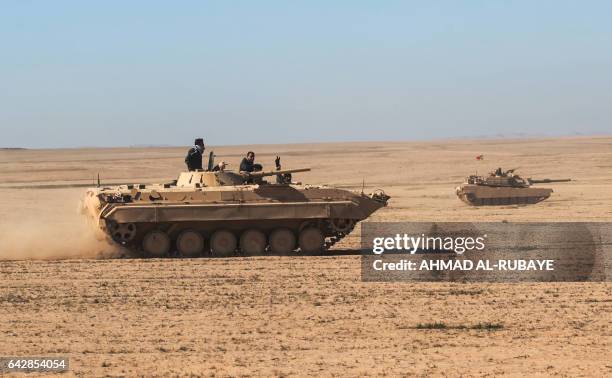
[
  {"x": 225, "y": 212},
  {"x": 503, "y": 188}
]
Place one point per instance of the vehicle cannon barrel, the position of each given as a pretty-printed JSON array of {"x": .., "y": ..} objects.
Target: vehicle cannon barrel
[
  {"x": 259, "y": 174},
  {"x": 545, "y": 181}
]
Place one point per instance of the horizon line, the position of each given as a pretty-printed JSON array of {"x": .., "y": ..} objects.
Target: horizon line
[{"x": 424, "y": 140}]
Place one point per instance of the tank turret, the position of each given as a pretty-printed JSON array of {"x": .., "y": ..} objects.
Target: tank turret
[
  {"x": 503, "y": 188},
  {"x": 199, "y": 179}
]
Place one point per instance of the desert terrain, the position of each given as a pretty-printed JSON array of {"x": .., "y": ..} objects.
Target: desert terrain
[{"x": 63, "y": 293}]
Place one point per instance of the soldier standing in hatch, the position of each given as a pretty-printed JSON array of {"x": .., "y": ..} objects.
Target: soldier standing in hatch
[
  {"x": 194, "y": 155},
  {"x": 248, "y": 165}
]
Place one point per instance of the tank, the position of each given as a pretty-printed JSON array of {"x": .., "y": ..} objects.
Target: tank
[
  {"x": 222, "y": 213},
  {"x": 503, "y": 188}
]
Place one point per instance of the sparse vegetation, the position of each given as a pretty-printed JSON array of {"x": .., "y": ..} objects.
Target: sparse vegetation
[
  {"x": 13, "y": 298},
  {"x": 437, "y": 325},
  {"x": 479, "y": 326},
  {"x": 488, "y": 326},
  {"x": 465, "y": 292}
]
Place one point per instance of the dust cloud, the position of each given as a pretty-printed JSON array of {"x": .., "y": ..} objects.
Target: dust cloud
[{"x": 50, "y": 229}]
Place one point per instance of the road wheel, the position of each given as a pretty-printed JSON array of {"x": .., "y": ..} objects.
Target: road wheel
[
  {"x": 156, "y": 243},
  {"x": 342, "y": 225},
  {"x": 190, "y": 243},
  {"x": 282, "y": 241},
  {"x": 223, "y": 243},
  {"x": 253, "y": 242},
  {"x": 311, "y": 240}
]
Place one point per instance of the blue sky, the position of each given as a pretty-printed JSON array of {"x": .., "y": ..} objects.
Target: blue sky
[{"x": 117, "y": 73}]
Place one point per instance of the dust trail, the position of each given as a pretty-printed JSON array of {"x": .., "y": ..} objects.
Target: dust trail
[{"x": 50, "y": 227}]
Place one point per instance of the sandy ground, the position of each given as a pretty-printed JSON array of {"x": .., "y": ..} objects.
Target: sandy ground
[{"x": 301, "y": 315}]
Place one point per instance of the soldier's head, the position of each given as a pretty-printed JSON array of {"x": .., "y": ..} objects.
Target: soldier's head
[
  {"x": 250, "y": 156},
  {"x": 199, "y": 142}
]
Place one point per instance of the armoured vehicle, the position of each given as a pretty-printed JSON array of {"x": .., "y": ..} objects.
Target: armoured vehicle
[
  {"x": 222, "y": 212},
  {"x": 503, "y": 188}
]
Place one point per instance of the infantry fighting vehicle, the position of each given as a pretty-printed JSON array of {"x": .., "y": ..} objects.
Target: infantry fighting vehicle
[
  {"x": 503, "y": 188},
  {"x": 223, "y": 212}
]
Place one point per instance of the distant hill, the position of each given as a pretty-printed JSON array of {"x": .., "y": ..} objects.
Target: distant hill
[{"x": 12, "y": 148}]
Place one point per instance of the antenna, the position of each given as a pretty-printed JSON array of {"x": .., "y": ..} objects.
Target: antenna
[
  {"x": 363, "y": 185},
  {"x": 98, "y": 179}
]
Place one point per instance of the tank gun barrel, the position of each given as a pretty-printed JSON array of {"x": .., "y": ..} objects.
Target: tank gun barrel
[
  {"x": 276, "y": 172},
  {"x": 544, "y": 181}
]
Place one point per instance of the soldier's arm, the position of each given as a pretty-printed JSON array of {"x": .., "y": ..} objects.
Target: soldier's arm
[{"x": 243, "y": 166}]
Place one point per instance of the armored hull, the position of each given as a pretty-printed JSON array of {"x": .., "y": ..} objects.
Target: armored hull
[
  {"x": 226, "y": 213},
  {"x": 480, "y": 195}
]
